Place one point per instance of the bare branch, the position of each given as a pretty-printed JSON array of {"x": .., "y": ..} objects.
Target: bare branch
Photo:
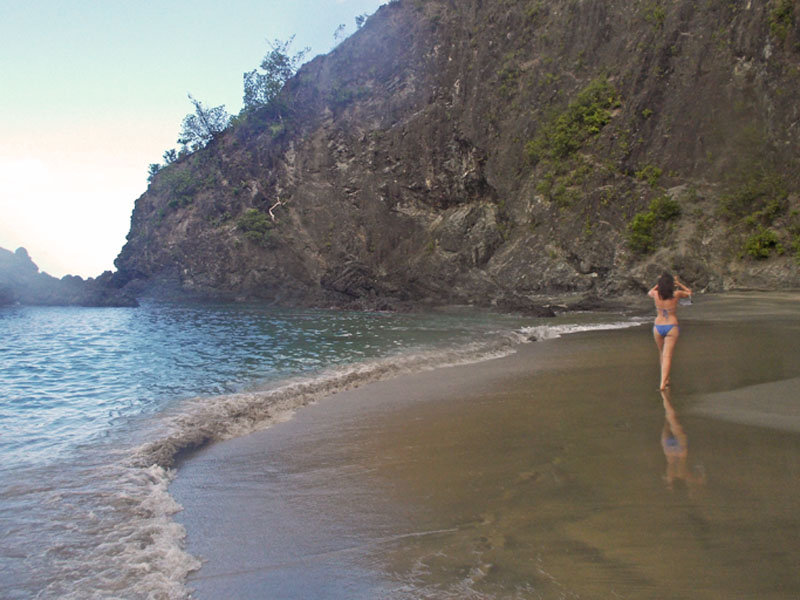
[{"x": 274, "y": 206}]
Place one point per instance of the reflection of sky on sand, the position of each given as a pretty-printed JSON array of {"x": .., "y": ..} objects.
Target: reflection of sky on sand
[{"x": 773, "y": 405}]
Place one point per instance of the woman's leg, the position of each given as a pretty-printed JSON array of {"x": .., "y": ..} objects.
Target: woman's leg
[
  {"x": 659, "y": 344},
  {"x": 668, "y": 348}
]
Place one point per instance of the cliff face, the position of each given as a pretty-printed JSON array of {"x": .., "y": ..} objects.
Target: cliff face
[{"x": 493, "y": 152}]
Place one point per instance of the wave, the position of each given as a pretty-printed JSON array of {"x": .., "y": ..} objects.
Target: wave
[
  {"x": 551, "y": 332},
  {"x": 109, "y": 533},
  {"x": 205, "y": 420}
]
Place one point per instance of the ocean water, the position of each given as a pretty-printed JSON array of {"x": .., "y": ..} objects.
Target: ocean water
[{"x": 97, "y": 404}]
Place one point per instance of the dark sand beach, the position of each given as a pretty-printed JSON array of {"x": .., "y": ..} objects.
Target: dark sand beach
[{"x": 557, "y": 472}]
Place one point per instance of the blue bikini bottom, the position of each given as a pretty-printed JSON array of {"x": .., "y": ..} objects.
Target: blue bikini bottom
[{"x": 663, "y": 330}]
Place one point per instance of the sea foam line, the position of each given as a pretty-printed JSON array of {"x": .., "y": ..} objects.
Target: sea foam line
[
  {"x": 550, "y": 332},
  {"x": 205, "y": 420},
  {"x": 201, "y": 421}
]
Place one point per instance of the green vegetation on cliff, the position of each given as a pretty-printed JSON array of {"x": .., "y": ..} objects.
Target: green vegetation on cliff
[
  {"x": 277, "y": 67},
  {"x": 562, "y": 171},
  {"x": 757, "y": 201},
  {"x": 583, "y": 118},
  {"x": 182, "y": 182},
  {"x": 261, "y": 91},
  {"x": 782, "y": 18},
  {"x": 256, "y": 225},
  {"x": 647, "y": 226}
]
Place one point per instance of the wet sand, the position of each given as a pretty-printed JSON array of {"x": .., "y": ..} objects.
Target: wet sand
[{"x": 558, "y": 472}]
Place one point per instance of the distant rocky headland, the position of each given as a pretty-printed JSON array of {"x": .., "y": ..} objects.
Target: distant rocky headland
[{"x": 22, "y": 283}]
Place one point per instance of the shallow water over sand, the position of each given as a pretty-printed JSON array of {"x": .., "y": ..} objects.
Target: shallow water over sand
[{"x": 559, "y": 472}]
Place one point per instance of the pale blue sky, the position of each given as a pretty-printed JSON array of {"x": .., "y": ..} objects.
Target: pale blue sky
[{"x": 92, "y": 92}]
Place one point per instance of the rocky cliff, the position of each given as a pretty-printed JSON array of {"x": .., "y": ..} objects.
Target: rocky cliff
[{"x": 465, "y": 151}]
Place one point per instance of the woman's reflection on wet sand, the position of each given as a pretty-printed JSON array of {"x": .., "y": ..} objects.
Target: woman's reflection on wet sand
[{"x": 675, "y": 444}]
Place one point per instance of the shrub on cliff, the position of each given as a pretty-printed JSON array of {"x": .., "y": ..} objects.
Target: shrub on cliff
[
  {"x": 781, "y": 19},
  {"x": 756, "y": 193},
  {"x": 755, "y": 201},
  {"x": 256, "y": 225},
  {"x": 761, "y": 244},
  {"x": 646, "y": 225},
  {"x": 582, "y": 119}
]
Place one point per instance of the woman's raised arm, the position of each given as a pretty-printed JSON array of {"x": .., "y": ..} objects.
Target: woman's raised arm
[{"x": 684, "y": 290}]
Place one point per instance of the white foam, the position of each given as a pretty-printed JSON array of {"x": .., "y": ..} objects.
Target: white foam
[
  {"x": 115, "y": 537},
  {"x": 550, "y": 332}
]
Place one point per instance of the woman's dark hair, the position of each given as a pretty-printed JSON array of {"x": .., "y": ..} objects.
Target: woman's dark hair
[{"x": 666, "y": 286}]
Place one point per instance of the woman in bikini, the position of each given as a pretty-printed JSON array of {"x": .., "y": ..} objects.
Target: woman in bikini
[{"x": 665, "y": 328}]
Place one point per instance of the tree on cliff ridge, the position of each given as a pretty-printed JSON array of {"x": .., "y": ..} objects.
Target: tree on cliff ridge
[
  {"x": 278, "y": 67},
  {"x": 201, "y": 127}
]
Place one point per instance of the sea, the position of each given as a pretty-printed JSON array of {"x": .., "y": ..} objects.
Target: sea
[{"x": 98, "y": 405}]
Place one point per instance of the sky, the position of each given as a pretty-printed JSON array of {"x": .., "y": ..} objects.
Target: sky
[{"x": 93, "y": 91}]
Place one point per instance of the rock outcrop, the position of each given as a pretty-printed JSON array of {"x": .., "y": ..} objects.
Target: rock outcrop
[
  {"x": 493, "y": 153},
  {"x": 22, "y": 283}
]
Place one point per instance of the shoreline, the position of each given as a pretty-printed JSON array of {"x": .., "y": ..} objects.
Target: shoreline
[
  {"x": 206, "y": 420},
  {"x": 266, "y": 509}
]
